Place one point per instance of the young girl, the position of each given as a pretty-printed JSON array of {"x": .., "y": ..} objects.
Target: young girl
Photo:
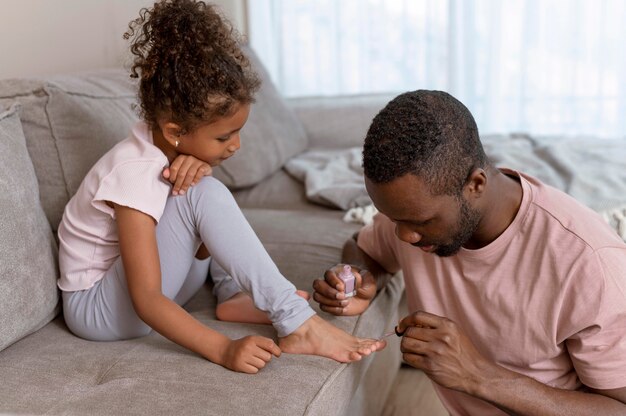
[{"x": 131, "y": 253}]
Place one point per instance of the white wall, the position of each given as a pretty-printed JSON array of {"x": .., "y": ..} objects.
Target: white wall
[{"x": 40, "y": 37}]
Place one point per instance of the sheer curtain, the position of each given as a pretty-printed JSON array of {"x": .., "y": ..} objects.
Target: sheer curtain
[{"x": 535, "y": 66}]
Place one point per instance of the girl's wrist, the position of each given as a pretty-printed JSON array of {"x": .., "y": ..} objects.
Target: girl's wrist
[{"x": 215, "y": 348}]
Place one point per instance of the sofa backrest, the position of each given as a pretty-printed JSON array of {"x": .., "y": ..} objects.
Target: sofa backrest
[
  {"x": 28, "y": 253},
  {"x": 71, "y": 120},
  {"x": 272, "y": 135}
]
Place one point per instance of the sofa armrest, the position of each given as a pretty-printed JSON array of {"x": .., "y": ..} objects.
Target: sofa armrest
[{"x": 337, "y": 122}]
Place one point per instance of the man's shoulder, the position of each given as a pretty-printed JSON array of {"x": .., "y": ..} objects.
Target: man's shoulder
[{"x": 561, "y": 214}]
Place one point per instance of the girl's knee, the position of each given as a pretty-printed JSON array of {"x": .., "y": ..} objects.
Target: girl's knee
[
  {"x": 209, "y": 184},
  {"x": 211, "y": 191}
]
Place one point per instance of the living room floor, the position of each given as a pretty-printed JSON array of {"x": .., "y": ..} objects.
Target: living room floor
[{"x": 413, "y": 395}]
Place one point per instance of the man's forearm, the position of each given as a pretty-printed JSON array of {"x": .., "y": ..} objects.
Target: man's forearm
[{"x": 520, "y": 395}]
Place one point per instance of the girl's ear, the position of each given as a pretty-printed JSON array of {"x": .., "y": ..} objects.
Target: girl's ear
[{"x": 172, "y": 132}]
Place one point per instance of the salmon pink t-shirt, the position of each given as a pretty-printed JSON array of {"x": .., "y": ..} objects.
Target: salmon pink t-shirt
[
  {"x": 130, "y": 174},
  {"x": 546, "y": 299}
]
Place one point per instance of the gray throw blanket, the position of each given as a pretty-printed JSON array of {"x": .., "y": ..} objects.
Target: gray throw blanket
[
  {"x": 592, "y": 170},
  {"x": 331, "y": 177}
]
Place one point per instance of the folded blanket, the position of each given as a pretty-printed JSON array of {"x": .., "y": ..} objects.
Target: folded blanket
[{"x": 331, "y": 177}]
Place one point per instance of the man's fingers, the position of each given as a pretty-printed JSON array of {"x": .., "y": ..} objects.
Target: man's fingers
[
  {"x": 323, "y": 288},
  {"x": 420, "y": 318},
  {"x": 428, "y": 334},
  {"x": 415, "y": 360},
  {"x": 322, "y": 300},
  {"x": 413, "y": 346},
  {"x": 333, "y": 280},
  {"x": 333, "y": 310}
]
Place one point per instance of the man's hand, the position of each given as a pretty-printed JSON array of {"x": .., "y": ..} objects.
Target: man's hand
[
  {"x": 438, "y": 347},
  {"x": 330, "y": 292},
  {"x": 184, "y": 172}
]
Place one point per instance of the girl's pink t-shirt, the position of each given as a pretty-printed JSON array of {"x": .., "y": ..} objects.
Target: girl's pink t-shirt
[
  {"x": 546, "y": 299},
  {"x": 130, "y": 174}
]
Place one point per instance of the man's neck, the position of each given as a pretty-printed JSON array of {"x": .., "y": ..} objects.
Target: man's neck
[{"x": 503, "y": 200}]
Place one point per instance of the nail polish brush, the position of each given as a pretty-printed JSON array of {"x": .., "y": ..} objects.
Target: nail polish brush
[{"x": 395, "y": 332}]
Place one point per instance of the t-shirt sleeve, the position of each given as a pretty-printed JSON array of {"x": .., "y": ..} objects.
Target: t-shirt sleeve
[
  {"x": 598, "y": 351},
  {"x": 134, "y": 184},
  {"x": 377, "y": 239}
]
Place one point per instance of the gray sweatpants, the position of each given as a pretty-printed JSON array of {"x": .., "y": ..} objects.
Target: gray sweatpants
[{"x": 207, "y": 214}]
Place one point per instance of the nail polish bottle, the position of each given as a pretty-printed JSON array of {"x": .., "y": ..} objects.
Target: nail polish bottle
[{"x": 349, "y": 281}]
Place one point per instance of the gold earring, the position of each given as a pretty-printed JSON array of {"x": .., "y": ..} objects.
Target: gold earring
[{"x": 176, "y": 143}]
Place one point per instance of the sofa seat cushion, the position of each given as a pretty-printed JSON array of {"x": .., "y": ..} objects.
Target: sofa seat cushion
[
  {"x": 28, "y": 272},
  {"x": 54, "y": 372}
]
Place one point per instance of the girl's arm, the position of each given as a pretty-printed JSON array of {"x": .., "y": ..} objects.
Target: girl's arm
[{"x": 140, "y": 256}]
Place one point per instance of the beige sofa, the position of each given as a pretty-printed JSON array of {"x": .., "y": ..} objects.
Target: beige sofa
[{"x": 51, "y": 131}]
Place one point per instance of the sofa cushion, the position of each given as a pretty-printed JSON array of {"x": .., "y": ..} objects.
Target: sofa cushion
[
  {"x": 272, "y": 135},
  {"x": 279, "y": 191},
  {"x": 28, "y": 272},
  {"x": 54, "y": 372},
  {"x": 69, "y": 122}
]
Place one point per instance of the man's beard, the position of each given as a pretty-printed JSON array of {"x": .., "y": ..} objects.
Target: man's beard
[{"x": 467, "y": 225}]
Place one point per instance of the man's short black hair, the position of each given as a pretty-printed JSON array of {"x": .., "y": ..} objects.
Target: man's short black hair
[{"x": 429, "y": 134}]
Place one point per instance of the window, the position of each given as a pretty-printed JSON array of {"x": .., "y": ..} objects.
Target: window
[{"x": 535, "y": 66}]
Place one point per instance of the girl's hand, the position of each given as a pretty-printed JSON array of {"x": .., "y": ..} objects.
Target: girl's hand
[
  {"x": 186, "y": 171},
  {"x": 249, "y": 354},
  {"x": 329, "y": 292}
]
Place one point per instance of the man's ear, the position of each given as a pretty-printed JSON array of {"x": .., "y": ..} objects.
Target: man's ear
[
  {"x": 476, "y": 183},
  {"x": 172, "y": 133}
]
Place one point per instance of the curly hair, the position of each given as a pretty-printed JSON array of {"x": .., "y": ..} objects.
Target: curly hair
[
  {"x": 189, "y": 62},
  {"x": 429, "y": 134}
]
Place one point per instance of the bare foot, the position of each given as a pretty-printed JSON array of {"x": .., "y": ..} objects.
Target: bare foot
[
  {"x": 240, "y": 308},
  {"x": 318, "y": 337}
]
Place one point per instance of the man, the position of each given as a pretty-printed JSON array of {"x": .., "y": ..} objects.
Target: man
[{"x": 517, "y": 292}]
